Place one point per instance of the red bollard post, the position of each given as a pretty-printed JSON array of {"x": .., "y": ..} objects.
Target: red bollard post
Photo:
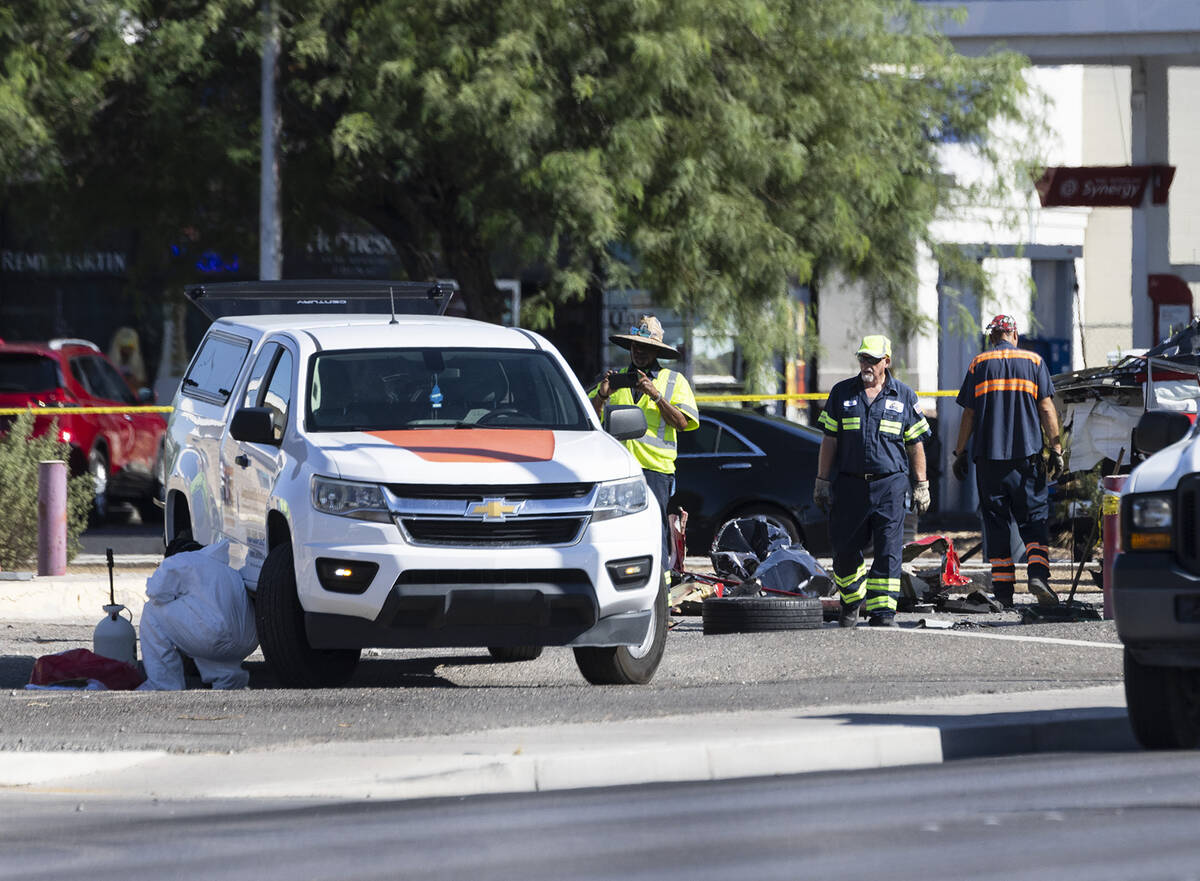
[
  {"x": 1110, "y": 509},
  {"x": 52, "y": 518}
]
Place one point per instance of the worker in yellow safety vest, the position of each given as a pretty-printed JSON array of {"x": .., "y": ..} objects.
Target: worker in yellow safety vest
[{"x": 664, "y": 395}]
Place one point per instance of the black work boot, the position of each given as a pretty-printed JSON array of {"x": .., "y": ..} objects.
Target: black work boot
[
  {"x": 848, "y": 617},
  {"x": 882, "y": 621},
  {"x": 1004, "y": 598},
  {"x": 1044, "y": 592}
]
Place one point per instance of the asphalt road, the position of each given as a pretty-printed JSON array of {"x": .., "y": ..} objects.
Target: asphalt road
[
  {"x": 1063, "y": 817},
  {"x": 429, "y": 692},
  {"x": 125, "y": 534}
]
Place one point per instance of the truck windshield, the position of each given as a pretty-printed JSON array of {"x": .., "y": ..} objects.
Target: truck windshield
[{"x": 387, "y": 389}]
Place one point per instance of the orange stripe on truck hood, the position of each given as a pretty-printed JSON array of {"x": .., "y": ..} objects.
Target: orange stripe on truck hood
[{"x": 474, "y": 444}]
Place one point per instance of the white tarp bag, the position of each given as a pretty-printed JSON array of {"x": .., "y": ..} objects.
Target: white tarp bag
[{"x": 198, "y": 606}]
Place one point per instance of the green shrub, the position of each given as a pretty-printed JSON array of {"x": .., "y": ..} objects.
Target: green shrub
[{"x": 19, "y": 458}]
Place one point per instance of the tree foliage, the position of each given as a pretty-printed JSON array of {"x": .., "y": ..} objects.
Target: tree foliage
[
  {"x": 727, "y": 146},
  {"x": 56, "y": 56},
  {"x": 711, "y": 151}
]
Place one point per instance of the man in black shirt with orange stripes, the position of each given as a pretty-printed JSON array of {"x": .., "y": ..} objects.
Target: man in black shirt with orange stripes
[{"x": 1007, "y": 400}]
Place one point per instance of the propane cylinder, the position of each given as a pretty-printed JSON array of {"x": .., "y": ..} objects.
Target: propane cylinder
[{"x": 114, "y": 636}]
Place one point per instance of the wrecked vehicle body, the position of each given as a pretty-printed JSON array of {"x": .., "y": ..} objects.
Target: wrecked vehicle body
[{"x": 1099, "y": 409}]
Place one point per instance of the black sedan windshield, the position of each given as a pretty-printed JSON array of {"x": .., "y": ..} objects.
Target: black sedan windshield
[{"x": 385, "y": 389}]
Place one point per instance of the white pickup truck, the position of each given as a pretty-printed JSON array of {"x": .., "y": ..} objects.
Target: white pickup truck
[
  {"x": 403, "y": 480},
  {"x": 1156, "y": 583}
]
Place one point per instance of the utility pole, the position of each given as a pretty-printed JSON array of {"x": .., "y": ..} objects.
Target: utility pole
[{"x": 270, "y": 233}]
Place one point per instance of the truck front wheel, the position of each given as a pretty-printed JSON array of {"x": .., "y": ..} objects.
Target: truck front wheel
[
  {"x": 628, "y": 665},
  {"x": 279, "y": 619},
  {"x": 1163, "y": 704}
]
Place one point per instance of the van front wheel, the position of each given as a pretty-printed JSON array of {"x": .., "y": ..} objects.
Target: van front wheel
[
  {"x": 1163, "y": 704},
  {"x": 279, "y": 618},
  {"x": 628, "y": 665}
]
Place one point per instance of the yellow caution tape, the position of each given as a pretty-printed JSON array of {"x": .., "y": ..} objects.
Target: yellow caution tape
[
  {"x": 1110, "y": 504},
  {"x": 703, "y": 399},
  {"x": 55, "y": 411},
  {"x": 807, "y": 396}
]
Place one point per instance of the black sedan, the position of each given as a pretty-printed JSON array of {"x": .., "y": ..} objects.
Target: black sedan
[{"x": 739, "y": 463}]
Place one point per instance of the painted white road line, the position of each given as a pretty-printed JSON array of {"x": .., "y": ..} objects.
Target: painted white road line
[{"x": 1050, "y": 640}]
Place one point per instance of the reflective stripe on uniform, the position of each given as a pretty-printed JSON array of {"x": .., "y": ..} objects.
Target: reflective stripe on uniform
[
  {"x": 854, "y": 596},
  {"x": 847, "y": 580},
  {"x": 662, "y": 423},
  {"x": 889, "y": 426},
  {"x": 828, "y": 421},
  {"x": 1005, "y": 354},
  {"x": 661, "y": 444},
  {"x": 917, "y": 429},
  {"x": 1003, "y": 569},
  {"x": 851, "y": 423},
  {"x": 1006, "y": 385},
  {"x": 885, "y": 603}
]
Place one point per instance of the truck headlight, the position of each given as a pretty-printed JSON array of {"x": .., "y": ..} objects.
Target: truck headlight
[
  {"x": 1151, "y": 522},
  {"x": 348, "y": 498},
  {"x": 616, "y": 498}
]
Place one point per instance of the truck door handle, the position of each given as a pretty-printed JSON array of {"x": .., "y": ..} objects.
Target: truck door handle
[
  {"x": 242, "y": 459},
  {"x": 735, "y": 466}
]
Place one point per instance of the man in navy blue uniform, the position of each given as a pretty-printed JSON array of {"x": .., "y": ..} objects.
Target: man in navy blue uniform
[
  {"x": 874, "y": 435},
  {"x": 1007, "y": 398}
]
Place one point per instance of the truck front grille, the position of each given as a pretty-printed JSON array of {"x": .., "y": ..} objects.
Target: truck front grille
[
  {"x": 1187, "y": 542},
  {"x": 512, "y": 492},
  {"x": 519, "y": 532}
]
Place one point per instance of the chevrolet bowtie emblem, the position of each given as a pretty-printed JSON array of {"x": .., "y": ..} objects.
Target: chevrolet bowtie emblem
[{"x": 495, "y": 509}]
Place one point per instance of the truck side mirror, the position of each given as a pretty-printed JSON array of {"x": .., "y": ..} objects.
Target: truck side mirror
[
  {"x": 1158, "y": 429},
  {"x": 254, "y": 425},
  {"x": 624, "y": 422}
]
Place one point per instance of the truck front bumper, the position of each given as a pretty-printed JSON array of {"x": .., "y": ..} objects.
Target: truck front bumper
[{"x": 1157, "y": 609}]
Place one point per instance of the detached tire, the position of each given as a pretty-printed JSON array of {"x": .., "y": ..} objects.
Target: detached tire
[
  {"x": 515, "y": 652},
  {"x": 1163, "y": 704},
  {"x": 760, "y": 615},
  {"x": 628, "y": 665},
  {"x": 279, "y": 620}
]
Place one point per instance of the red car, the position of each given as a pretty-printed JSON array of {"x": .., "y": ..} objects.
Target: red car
[{"x": 120, "y": 450}]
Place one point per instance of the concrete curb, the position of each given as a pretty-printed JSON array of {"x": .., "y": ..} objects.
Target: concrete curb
[
  {"x": 666, "y": 750},
  {"x": 69, "y": 599}
]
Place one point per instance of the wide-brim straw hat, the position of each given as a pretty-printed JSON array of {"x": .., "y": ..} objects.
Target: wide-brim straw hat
[{"x": 648, "y": 332}]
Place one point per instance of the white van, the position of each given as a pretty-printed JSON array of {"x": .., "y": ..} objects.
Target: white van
[
  {"x": 402, "y": 480},
  {"x": 1156, "y": 583}
]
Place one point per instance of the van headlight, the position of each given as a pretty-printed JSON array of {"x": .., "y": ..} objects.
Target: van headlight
[
  {"x": 616, "y": 498},
  {"x": 348, "y": 498},
  {"x": 1151, "y": 522}
]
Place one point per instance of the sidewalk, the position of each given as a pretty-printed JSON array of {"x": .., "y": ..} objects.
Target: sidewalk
[{"x": 667, "y": 750}]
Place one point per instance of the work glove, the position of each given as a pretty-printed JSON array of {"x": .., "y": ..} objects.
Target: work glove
[
  {"x": 920, "y": 496},
  {"x": 821, "y": 495},
  {"x": 1056, "y": 467},
  {"x": 960, "y": 465}
]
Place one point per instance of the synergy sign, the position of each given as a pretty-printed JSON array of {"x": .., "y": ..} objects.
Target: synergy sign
[{"x": 1096, "y": 186}]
